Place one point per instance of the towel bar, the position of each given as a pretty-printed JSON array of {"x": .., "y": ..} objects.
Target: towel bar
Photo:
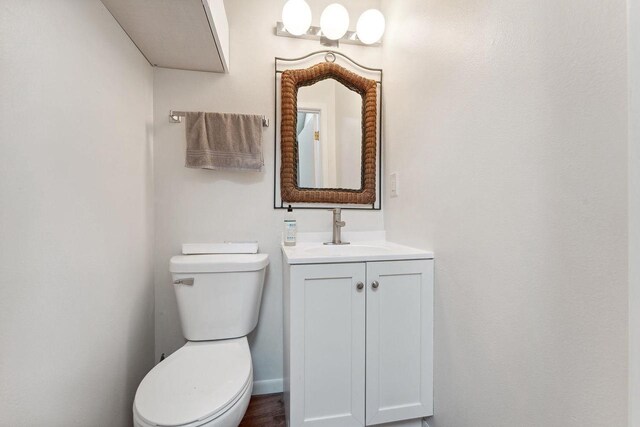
[{"x": 176, "y": 117}]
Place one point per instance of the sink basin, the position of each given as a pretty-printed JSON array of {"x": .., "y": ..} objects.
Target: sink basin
[
  {"x": 346, "y": 250},
  {"x": 317, "y": 253}
]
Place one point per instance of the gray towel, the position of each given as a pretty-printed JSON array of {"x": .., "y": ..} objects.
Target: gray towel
[{"x": 224, "y": 141}]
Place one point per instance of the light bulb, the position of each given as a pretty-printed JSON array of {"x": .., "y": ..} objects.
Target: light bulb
[
  {"x": 334, "y": 21},
  {"x": 370, "y": 26},
  {"x": 296, "y": 17}
]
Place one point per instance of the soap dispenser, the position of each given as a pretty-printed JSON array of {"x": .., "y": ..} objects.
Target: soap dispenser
[{"x": 290, "y": 228}]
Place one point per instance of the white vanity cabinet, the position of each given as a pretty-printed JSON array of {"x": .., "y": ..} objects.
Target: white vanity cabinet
[{"x": 358, "y": 343}]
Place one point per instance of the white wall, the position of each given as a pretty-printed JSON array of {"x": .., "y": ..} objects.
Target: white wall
[
  {"x": 76, "y": 289},
  {"x": 634, "y": 213},
  {"x": 201, "y": 205},
  {"x": 514, "y": 171}
]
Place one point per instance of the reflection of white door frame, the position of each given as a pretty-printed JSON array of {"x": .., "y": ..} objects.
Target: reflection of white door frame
[
  {"x": 316, "y": 115},
  {"x": 327, "y": 148},
  {"x": 306, "y": 150},
  {"x": 317, "y": 155}
]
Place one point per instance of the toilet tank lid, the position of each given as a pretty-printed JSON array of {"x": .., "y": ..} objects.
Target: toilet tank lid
[
  {"x": 220, "y": 248},
  {"x": 218, "y": 263}
]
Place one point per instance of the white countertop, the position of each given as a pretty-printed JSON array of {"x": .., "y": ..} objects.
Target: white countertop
[{"x": 311, "y": 250}]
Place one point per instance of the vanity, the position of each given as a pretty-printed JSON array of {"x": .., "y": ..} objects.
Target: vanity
[
  {"x": 358, "y": 334},
  {"x": 358, "y": 316}
]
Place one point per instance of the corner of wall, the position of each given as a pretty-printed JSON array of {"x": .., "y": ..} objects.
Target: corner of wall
[{"x": 634, "y": 211}]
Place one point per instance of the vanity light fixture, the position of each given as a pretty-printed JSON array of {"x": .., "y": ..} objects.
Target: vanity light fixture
[{"x": 334, "y": 25}]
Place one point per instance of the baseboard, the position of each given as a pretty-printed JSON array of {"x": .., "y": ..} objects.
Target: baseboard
[
  {"x": 415, "y": 422},
  {"x": 267, "y": 386}
]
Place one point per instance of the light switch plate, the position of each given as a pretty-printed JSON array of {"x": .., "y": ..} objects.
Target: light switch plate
[{"x": 393, "y": 184}]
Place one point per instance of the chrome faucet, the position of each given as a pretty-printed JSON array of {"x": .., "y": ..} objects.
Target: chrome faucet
[{"x": 337, "y": 228}]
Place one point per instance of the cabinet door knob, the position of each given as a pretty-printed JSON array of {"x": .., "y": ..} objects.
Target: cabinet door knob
[
  {"x": 360, "y": 286},
  {"x": 375, "y": 284}
]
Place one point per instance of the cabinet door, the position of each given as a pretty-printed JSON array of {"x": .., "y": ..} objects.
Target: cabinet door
[
  {"x": 327, "y": 345},
  {"x": 399, "y": 340}
]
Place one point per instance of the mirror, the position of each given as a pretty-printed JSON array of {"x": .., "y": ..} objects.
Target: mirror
[
  {"x": 328, "y": 130},
  {"x": 329, "y": 136}
]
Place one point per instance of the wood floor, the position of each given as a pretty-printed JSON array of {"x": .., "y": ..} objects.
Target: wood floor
[{"x": 265, "y": 411}]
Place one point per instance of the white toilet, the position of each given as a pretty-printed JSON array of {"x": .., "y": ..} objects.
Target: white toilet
[{"x": 207, "y": 382}]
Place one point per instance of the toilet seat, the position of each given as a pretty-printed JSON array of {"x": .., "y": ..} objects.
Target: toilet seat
[{"x": 195, "y": 385}]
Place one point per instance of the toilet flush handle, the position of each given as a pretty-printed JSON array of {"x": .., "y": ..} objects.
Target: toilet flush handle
[{"x": 187, "y": 281}]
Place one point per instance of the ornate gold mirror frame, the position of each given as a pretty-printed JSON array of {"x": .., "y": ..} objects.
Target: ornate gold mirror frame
[{"x": 291, "y": 81}]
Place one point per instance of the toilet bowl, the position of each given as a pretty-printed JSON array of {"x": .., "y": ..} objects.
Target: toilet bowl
[
  {"x": 202, "y": 384},
  {"x": 208, "y": 382}
]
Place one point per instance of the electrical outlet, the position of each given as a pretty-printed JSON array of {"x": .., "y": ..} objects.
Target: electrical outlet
[{"x": 394, "y": 184}]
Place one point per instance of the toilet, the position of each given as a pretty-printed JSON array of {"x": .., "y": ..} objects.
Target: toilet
[{"x": 207, "y": 382}]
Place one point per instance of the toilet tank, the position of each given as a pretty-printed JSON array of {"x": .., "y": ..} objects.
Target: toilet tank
[{"x": 218, "y": 295}]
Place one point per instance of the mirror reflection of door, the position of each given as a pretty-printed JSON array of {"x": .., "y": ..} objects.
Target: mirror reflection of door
[
  {"x": 309, "y": 149},
  {"x": 329, "y": 131}
]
